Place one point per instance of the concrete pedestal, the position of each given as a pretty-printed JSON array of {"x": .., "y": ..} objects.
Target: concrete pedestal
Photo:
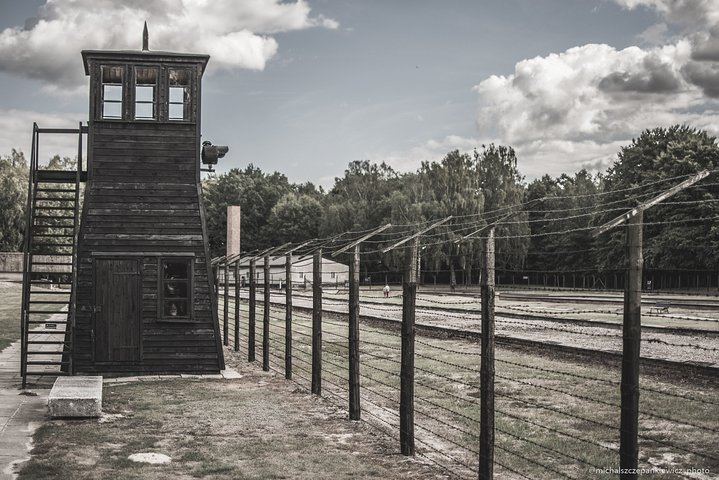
[{"x": 78, "y": 397}]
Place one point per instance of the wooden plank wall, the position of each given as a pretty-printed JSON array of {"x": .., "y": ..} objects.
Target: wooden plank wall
[{"x": 142, "y": 198}]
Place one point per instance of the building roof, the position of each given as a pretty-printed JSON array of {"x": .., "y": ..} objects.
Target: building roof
[{"x": 142, "y": 55}]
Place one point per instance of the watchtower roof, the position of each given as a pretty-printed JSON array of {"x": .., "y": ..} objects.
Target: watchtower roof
[{"x": 143, "y": 56}]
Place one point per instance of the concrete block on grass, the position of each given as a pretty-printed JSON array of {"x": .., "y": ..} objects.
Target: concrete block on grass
[{"x": 76, "y": 397}]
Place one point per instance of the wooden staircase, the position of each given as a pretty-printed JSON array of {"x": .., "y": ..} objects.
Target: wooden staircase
[{"x": 50, "y": 264}]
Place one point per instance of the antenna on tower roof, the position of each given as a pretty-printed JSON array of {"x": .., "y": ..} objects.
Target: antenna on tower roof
[{"x": 145, "y": 39}]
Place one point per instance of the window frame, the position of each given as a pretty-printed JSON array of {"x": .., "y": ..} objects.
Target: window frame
[
  {"x": 161, "y": 281},
  {"x": 123, "y": 91},
  {"x": 155, "y": 102},
  {"x": 161, "y": 102},
  {"x": 187, "y": 103}
]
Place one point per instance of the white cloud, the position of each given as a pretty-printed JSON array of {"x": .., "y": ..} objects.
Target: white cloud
[
  {"x": 586, "y": 92},
  {"x": 431, "y": 151},
  {"x": 235, "y": 34},
  {"x": 691, "y": 13},
  {"x": 574, "y": 109}
]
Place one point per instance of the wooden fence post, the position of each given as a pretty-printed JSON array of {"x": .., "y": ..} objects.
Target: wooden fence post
[
  {"x": 406, "y": 399},
  {"x": 266, "y": 317},
  {"x": 354, "y": 306},
  {"x": 288, "y": 316},
  {"x": 631, "y": 339},
  {"x": 486, "y": 408},
  {"x": 252, "y": 313},
  {"x": 317, "y": 323},
  {"x": 237, "y": 305}
]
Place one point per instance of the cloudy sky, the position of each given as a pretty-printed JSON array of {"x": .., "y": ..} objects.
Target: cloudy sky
[{"x": 306, "y": 87}]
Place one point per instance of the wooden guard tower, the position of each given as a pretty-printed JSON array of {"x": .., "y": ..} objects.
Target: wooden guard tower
[{"x": 141, "y": 282}]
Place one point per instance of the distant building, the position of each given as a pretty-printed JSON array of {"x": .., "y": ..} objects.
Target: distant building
[{"x": 333, "y": 273}]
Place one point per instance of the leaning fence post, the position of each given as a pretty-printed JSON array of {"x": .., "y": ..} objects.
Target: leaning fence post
[
  {"x": 317, "y": 323},
  {"x": 237, "y": 305},
  {"x": 226, "y": 305},
  {"x": 486, "y": 408},
  {"x": 266, "y": 318},
  {"x": 354, "y": 380},
  {"x": 251, "y": 314},
  {"x": 288, "y": 316},
  {"x": 406, "y": 398}
]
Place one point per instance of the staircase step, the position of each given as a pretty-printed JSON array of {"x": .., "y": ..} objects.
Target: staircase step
[
  {"x": 53, "y": 208},
  {"x": 54, "y": 244},
  {"x": 45, "y": 342},
  {"x": 45, "y": 311},
  {"x": 56, "y": 199},
  {"x": 47, "y": 302},
  {"x": 52, "y": 263},
  {"x": 48, "y": 282},
  {"x": 49, "y": 292},
  {"x": 45, "y": 322},
  {"x": 47, "y": 362},
  {"x": 56, "y": 217},
  {"x": 47, "y": 332},
  {"x": 47, "y": 374}
]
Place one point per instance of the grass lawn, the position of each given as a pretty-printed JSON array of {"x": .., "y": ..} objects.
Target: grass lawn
[
  {"x": 554, "y": 417},
  {"x": 256, "y": 427}
]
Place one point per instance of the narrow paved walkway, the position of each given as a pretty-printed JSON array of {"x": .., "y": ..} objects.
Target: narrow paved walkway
[{"x": 21, "y": 411}]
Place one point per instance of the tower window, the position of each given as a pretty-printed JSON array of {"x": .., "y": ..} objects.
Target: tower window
[
  {"x": 145, "y": 93},
  {"x": 112, "y": 92},
  {"x": 179, "y": 94},
  {"x": 176, "y": 289}
]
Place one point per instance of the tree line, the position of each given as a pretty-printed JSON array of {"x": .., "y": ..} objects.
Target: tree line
[{"x": 547, "y": 231}]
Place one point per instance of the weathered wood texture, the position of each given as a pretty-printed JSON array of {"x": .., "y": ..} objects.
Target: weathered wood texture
[
  {"x": 486, "y": 406},
  {"x": 355, "y": 409},
  {"x": 142, "y": 204},
  {"x": 406, "y": 394},
  {"x": 317, "y": 323},
  {"x": 631, "y": 342},
  {"x": 288, "y": 317}
]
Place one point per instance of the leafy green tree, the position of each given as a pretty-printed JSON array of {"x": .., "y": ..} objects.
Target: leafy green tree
[
  {"x": 294, "y": 218},
  {"x": 360, "y": 199},
  {"x": 453, "y": 187},
  {"x": 675, "y": 237},
  {"x": 13, "y": 200},
  {"x": 559, "y": 211},
  {"x": 502, "y": 187},
  {"x": 255, "y": 192}
]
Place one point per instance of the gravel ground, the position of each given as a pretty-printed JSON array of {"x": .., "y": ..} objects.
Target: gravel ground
[{"x": 699, "y": 349}]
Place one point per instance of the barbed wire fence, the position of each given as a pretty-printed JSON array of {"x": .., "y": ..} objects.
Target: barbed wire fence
[{"x": 444, "y": 394}]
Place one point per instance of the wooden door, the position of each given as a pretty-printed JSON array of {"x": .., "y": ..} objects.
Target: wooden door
[{"x": 117, "y": 310}]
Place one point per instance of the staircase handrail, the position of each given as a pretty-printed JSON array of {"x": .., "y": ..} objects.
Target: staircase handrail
[{"x": 27, "y": 246}]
